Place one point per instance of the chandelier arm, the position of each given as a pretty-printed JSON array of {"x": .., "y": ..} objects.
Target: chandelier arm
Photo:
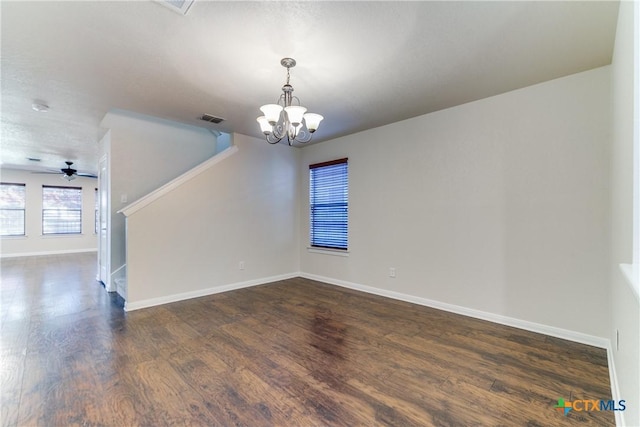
[
  {"x": 279, "y": 130},
  {"x": 292, "y": 133},
  {"x": 271, "y": 139},
  {"x": 303, "y": 136}
]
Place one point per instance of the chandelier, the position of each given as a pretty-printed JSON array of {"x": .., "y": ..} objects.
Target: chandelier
[{"x": 285, "y": 119}]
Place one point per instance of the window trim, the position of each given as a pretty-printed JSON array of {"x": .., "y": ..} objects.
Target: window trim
[
  {"x": 322, "y": 248},
  {"x": 74, "y": 233},
  {"x": 328, "y": 251},
  {"x": 24, "y": 210}
]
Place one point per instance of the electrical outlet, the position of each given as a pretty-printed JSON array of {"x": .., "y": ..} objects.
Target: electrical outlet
[
  {"x": 392, "y": 272},
  {"x": 123, "y": 198},
  {"x": 241, "y": 265}
]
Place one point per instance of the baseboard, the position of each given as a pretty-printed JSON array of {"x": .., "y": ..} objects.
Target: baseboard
[
  {"x": 491, "y": 317},
  {"x": 116, "y": 280},
  {"x": 469, "y": 312},
  {"x": 63, "y": 252},
  {"x": 615, "y": 389},
  {"x": 121, "y": 286},
  {"x": 136, "y": 305},
  {"x": 496, "y": 318}
]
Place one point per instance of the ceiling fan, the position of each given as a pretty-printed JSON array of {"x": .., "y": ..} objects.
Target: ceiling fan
[{"x": 70, "y": 174}]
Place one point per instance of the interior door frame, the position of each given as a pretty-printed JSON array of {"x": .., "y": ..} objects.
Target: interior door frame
[{"x": 104, "y": 215}]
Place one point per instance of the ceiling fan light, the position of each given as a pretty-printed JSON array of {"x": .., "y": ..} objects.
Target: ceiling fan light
[
  {"x": 271, "y": 113},
  {"x": 295, "y": 114},
  {"x": 69, "y": 177},
  {"x": 312, "y": 120},
  {"x": 265, "y": 127}
]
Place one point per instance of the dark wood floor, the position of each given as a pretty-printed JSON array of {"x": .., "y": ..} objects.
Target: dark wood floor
[{"x": 291, "y": 353}]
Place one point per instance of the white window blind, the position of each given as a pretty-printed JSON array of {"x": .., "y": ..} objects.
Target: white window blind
[
  {"x": 12, "y": 208},
  {"x": 61, "y": 210},
  {"x": 329, "y": 207}
]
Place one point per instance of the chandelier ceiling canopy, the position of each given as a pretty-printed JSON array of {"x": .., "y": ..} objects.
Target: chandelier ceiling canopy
[{"x": 284, "y": 119}]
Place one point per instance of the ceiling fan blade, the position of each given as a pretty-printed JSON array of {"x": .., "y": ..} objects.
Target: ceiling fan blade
[
  {"x": 87, "y": 175},
  {"x": 67, "y": 172}
]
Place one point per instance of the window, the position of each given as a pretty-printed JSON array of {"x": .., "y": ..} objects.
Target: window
[
  {"x": 61, "y": 210},
  {"x": 12, "y": 205},
  {"x": 328, "y": 200}
]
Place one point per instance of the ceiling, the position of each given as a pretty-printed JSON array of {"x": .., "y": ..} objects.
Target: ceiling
[{"x": 360, "y": 64}]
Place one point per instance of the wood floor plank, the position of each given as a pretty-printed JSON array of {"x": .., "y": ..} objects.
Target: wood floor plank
[
  {"x": 11, "y": 374},
  {"x": 295, "y": 352}
]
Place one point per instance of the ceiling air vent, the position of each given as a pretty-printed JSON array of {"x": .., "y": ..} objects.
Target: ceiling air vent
[{"x": 211, "y": 119}]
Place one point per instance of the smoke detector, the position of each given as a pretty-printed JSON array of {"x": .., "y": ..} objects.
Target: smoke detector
[{"x": 39, "y": 107}]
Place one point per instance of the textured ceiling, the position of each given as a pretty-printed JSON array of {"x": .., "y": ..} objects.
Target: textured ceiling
[{"x": 360, "y": 64}]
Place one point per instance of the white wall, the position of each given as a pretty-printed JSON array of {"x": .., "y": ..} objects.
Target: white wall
[
  {"x": 625, "y": 307},
  {"x": 145, "y": 153},
  {"x": 499, "y": 205},
  {"x": 34, "y": 243},
  {"x": 191, "y": 240}
]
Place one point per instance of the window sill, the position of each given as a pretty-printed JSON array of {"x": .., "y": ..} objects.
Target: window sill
[
  {"x": 67, "y": 235},
  {"x": 23, "y": 236},
  {"x": 327, "y": 251}
]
